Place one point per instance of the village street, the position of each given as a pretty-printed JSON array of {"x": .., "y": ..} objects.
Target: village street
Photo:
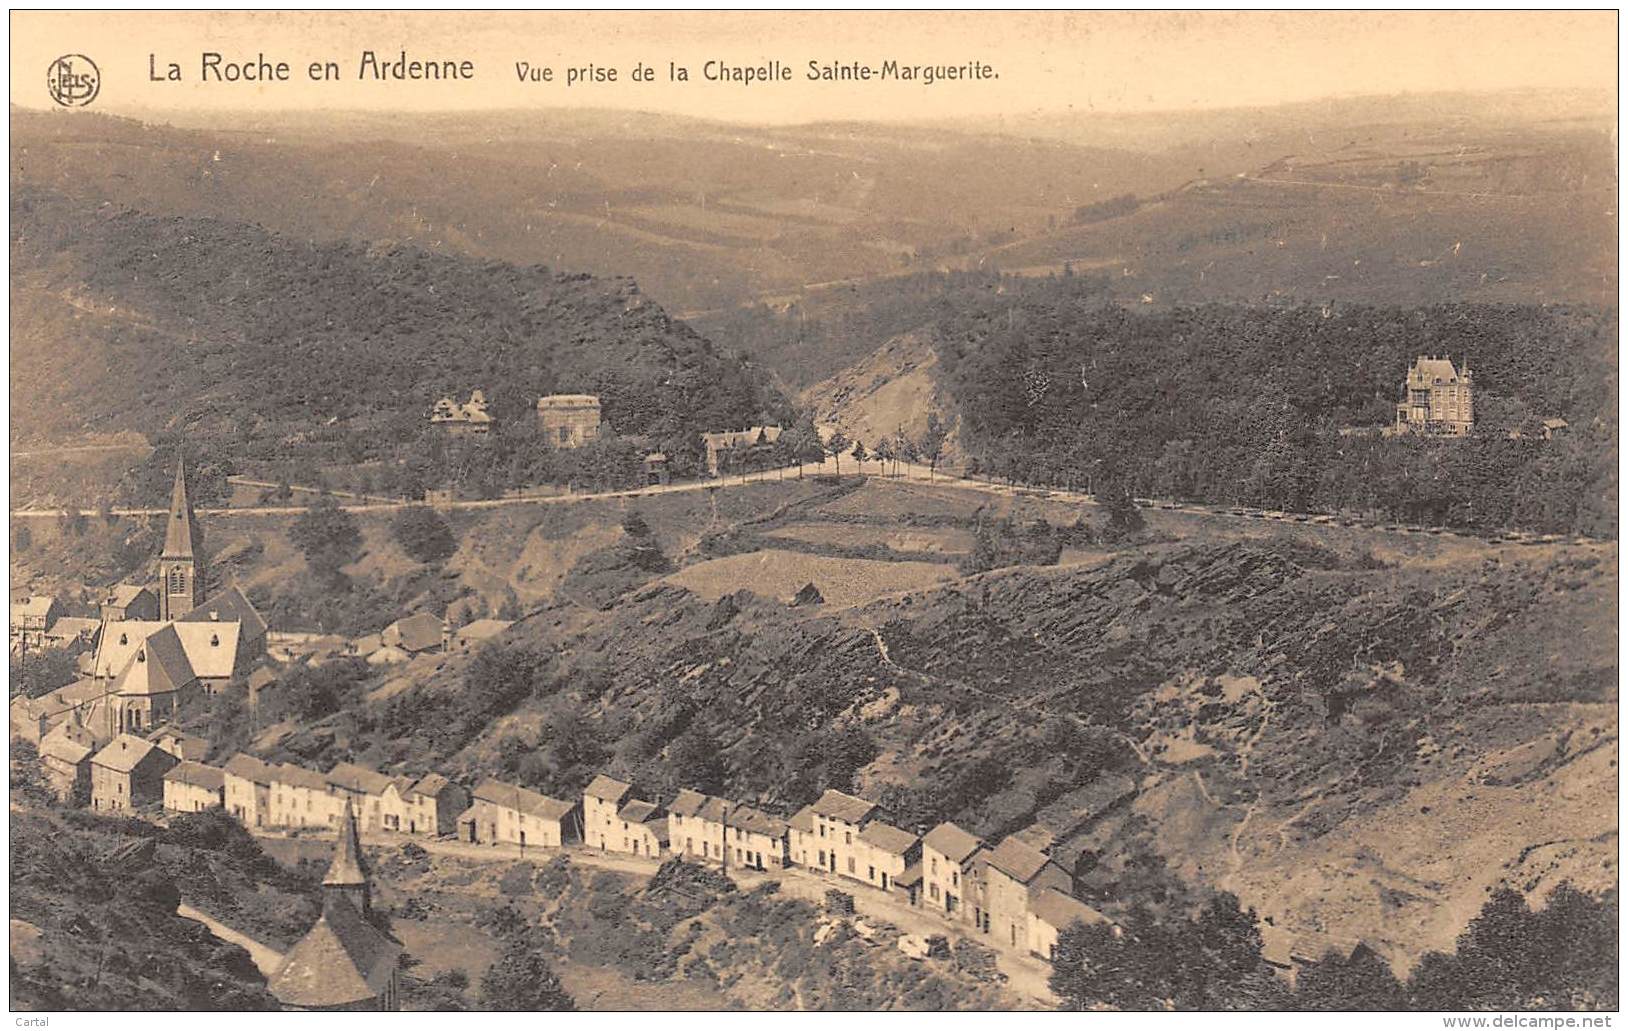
[{"x": 1026, "y": 975}]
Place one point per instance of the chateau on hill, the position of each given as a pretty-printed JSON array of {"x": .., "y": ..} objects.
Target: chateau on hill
[{"x": 1436, "y": 399}]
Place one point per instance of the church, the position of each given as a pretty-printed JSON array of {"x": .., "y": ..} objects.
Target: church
[
  {"x": 152, "y": 671},
  {"x": 343, "y": 963}
]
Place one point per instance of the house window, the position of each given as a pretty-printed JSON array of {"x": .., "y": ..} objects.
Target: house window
[
  {"x": 850, "y": 864},
  {"x": 822, "y": 857},
  {"x": 955, "y": 878},
  {"x": 848, "y": 837},
  {"x": 822, "y": 830},
  {"x": 870, "y": 874},
  {"x": 934, "y": 864},
  {"x": 933, "y": 890}
]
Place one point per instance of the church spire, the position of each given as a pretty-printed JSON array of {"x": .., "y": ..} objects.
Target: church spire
[
  {"x": 348, "y": 873},
  {"x": 178, "y": 539},
  {"x": 180, "y": 568}
]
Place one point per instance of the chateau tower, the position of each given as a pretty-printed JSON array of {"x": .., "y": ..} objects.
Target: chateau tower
[
  {"x": 348, "y": 873},
  {"x": 180, "y": 567}
]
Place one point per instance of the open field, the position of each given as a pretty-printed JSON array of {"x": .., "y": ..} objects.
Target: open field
[{"x": 780, "y": 574}]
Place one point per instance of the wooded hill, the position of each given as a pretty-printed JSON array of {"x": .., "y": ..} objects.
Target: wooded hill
[
  {"x": 125, "y": 320},
  {"x": 1283, "y": 407}
]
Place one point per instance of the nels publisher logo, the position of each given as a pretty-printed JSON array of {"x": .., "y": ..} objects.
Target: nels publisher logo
[{"x": 73, "y": 80}]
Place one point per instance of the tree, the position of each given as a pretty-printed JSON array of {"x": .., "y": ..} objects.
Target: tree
[
  {"x": 522, "y": 981},
  {"x": 835, "y": 445},
  {"x": 884, "y": 453},
  {"x": 1360, "y": 981},
  {"x": 424, "y": 535},
  {"x": 327, "y": 536},
  {"x": 1124, "y": 515},
  {"x": 860, "y": 455},
  {"x": 931, "y": 445}
]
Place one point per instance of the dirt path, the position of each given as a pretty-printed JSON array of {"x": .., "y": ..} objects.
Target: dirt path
[{"x": 265, "y": 957}]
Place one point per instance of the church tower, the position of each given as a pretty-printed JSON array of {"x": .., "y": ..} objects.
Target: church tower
[
  {"x": 180, "y": 567},
  {"x": 348, "y": 873}
]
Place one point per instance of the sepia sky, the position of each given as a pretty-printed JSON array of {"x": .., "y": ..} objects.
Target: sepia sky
[{"x": 1106, "y": 62}]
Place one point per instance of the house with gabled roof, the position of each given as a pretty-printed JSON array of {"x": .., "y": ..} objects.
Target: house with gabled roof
[
  {"x": 949, "y": 878},
  {"x": 31, "y": 616},
  {"x": 801, "y": 837},
  {"x": 192, "y": 787},
  {"x": 508, "y": 814},
  {"x": 128, "y": 773},
  {"x": 65, "y": 754},
  {"x": 839, "y": 818},
  {"x": 886, "y": 853},
  {"x": 695, "y": 826},
  {"x": 1011, "y": 872},
  {"x": 343, "y": 963},
  {"x": 1052, "y": 911},
  {"x": 302, "y": 798},
  {"x": 185, "y": 747},
  {"x": 476, "y": 633},
  {"x": 248, "y": 789},
  {"x": 363, "y": 788},
  {"x": 129, "y": 602},
  {"x": 601, "y": 800},
  {"x": 643, "y": 829},
  {"x": 757, "y": 839}
]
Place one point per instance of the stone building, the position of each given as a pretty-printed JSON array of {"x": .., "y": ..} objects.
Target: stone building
[
  {"x": 839, "y": 819},
  {"x": 568, "y": 420},
  {"x": 949, "y": 871},
  {"x": 1436, "y": 399},
  {"x": 343, "y": 963},
  {"x": 128, "y": 774},
  {"x": 1012, "y": 872},
  {"x": 601, "y": 800},
  {"x": 192, "y": 787},
  {"x": 509, "y": 814}
]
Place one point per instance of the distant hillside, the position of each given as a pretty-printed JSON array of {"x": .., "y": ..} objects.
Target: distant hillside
[{"x": 123, "y": 320}]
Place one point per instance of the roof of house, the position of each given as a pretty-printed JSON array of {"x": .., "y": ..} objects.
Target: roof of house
[
  {"x": 82, "y": 690},
  {"x": 187, "y": 742},
  {"x": 199, "y": 775},
  {"x": 636, "y": 810},
  {"x": 342, "y": 960},
  {"x": 687, "y": 803},
  {"x": 951, "y": 842},
  {"x": 123, "y": 594},
  {"x": 418, "y": 632},
  {"x": 887, "y": 837},
  {"x": 299, "y": 777},
  {"x": 356, "y": 778},
  {"x": 68, "y": 742},
  {"x": 367, "y": 644},
  {"x": 229, "y": 606},
  {"x": 246, "y": 767},
  {"x": 32, "y": 605},
  {"x": 1434, "y": 369},
  {"x": 756, "y": 821},
  {"x": 608, "y": 789},
  {"x": 658, "y": 827},
  {"x": 802, "y": 820},
  {"x": 847, "y": 808},
  {"x": 1059, "y": 909},
  {"x": 430, "y": 785},
  {"x": 126, "y": 752},
  {"x": 567, "y": 400},
  {"x": 510, "y": 796},
  {"x": 158, "y": 666},
  {"x": 1018, "y": 861},
  {"x": 65, "y": 626},
  {"x": 911, "y": 875},
  {"x": 1037, "y": 836},
  {"x": 1555, "y": 424},
  {"x": 484, "y": 629}
]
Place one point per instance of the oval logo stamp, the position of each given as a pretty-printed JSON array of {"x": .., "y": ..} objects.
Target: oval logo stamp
[{"x": 73, "y": 80}]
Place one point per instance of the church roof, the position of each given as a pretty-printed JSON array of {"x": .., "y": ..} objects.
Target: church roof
[
  {"x": 180, "y": 536},
  {"x": 210, "y": 647},
  {"x": 121, "y": 639},
  {"x": 159, "y": 666},
  {"x": 229, "y": 606},
  {"x": 341, "y": 961},
  {"x": 349, "y": 866}
]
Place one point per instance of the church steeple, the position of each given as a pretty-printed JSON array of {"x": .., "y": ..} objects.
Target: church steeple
[
  {"x": 180, "y": 570},
  {"x": 348, "y": 873}
]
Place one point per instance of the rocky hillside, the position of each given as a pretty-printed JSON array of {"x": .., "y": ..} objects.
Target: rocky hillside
[
  {"x": 893, "y": 389},
  {"x": 1267, "y": 715}
]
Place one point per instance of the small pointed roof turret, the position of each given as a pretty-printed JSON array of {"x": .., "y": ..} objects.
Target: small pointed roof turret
[
  {"x": 349, "y": 867},
  {"x": 179, "y": 536}
]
